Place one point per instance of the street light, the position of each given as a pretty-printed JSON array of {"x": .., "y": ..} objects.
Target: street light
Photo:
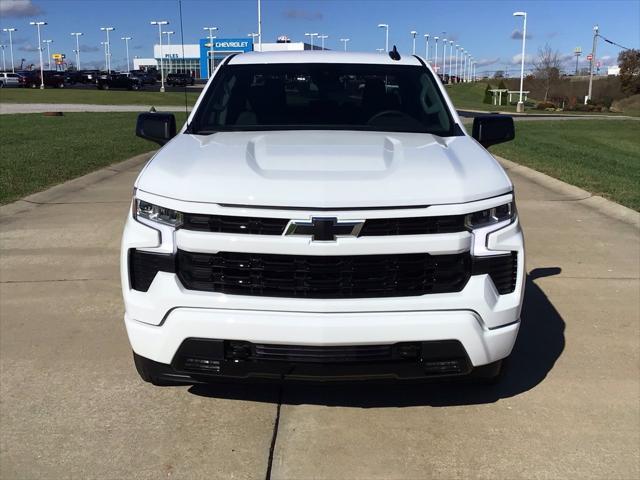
[
  {"x": 126, "y": 42},
  {"x": 77, "y": 35},
  {"x": 435, "y": 57},
  {"x": 345, "y": 40},
  {"x": 253, "y": 39},
  {"x": 444, "y": 58},
  {"x": 108, "y": 29},
  {"x": 311, "y": 35},
  {"x": 426, "y": 47},
  {"x": 106, "y": 62},
  {"x": 380, "y": 50},
  {"x": 520, "y": 106},
  {"x": 211, "y": 58},
  {"x": 592, "y": 61},
  {"x": 48, "y": 42},
  {"x": 456, "y": 74},
  {"x": 450, "y": 58},
  {"x": 4, "y": 63},
  {"x": 160, "y": 23},
  {"x": 386, "y": 37},
  {"x": 9, "y": 31},
  {"x": 38, "y": 25},
  {"x": 168, "y": 34},
  {"x": 322, "y": 38},
  {"x": 414, "y": 34}
]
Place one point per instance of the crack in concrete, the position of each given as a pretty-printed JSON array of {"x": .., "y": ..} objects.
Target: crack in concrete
[
  {"x": 76, "y": 203},
  {"x": 274, "y": 436}
]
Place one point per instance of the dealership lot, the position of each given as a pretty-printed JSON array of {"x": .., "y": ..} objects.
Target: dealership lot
[{"x": 73, "y": 406}]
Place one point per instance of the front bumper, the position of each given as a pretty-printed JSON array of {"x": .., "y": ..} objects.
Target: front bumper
[{"x": 161, "y": 319}]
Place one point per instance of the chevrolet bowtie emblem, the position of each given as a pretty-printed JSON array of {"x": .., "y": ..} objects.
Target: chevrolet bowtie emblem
[{"x": 324, "y": 229}]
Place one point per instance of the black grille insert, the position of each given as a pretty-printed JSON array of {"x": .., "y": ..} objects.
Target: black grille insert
[
  {"x": 503, "y": 270},
  {"x": 276, "y": 226},
  {"x": 307, "y": 276}
]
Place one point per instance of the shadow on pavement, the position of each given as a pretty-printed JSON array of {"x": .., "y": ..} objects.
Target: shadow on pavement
[{"x": 540, "y": 343}]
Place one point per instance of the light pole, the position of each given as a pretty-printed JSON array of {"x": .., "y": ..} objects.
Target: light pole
[
  {"x": 344, "y": 41},
  {"x": 380, "y": 50},
  {"x": 4, "y": 63},
  {"x": 435, "y": 57},
  {"x": 126, "y": 43},
  {"x": 450, "y": 59},
  {"x": 48, "y": 42},
  {"x": 38, "y": 25},
  {"x": 577, "y": 52},
  {"x": 414, "y": 34},
  {"x": 426, "y": 47},
  {"x": 592, "y": 61},
  {"x": 9, "y": 31},
  {"x": 456, "y": 69},
  {"x": 322, "y": 38},
  {"x": 386, "y": 38},
  {"x": 520, "y": 106},
  {"x": 168, "y": 34},
  {"x": 259, "y": 25},
  {"x": 160, "y": 23},
  {"x": 463, "y": 61},
  {"x": 444, "y": 58},
  {"x": 107, "y": 30},
  {"x": 211, "y": 59},
  {"x": 77, "y": 35},
  {"x": 311, "y": 36},
  {"x": 106, "y": 62},
  {"x": 253, "y": 39}
]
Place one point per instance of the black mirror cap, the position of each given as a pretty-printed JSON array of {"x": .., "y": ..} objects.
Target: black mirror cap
[
  {"x": 156, "y": 127},
  {"x": 493, "y": 129}
]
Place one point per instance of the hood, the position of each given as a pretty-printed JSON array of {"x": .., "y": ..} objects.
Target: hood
[{"x": 324, "y": 169}]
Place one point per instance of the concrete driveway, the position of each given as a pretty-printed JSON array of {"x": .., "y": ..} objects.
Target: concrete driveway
[{"x": 72, "y": 406}]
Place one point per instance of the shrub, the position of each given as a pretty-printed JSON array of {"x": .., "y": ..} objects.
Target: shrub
[
  {"x": 487, "y": 95},
  {"x": 545, "y": 105}
]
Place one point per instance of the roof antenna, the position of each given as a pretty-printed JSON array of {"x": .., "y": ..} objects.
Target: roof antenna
[
  {"x": 186, "y": 102},
  {"x": 394, "y": 54}
]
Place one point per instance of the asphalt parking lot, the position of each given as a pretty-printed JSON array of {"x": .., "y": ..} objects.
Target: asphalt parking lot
[{"x": 72, "y": 406}]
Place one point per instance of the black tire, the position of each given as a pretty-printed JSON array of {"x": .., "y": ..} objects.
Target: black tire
[
  {"x": 61, "y": 85},
  {"x": 33, "y": 85},
  {"x": 146, "y": 369},
  {"x": 105, "y": 87},
  {"x": 490, "y": 374},
  {"x": 1, "y": 84}
]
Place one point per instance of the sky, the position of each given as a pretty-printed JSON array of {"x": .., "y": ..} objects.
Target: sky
[{"x": 485, "y": 28}]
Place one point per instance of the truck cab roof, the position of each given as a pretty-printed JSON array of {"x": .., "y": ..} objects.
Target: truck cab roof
[{"x": 322, "y": 56}]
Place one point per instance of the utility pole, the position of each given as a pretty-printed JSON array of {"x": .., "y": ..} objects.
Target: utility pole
[
  {"x": 160, "y": 23},
  {"x": 450, "y": 58},
  {"x": 435, "y": 57},
  {"x": 591, "y": 62},
  {"x": 456, "y": 71},
  {"x": 108, "y": 29},
  {"x": 259, "y": 25},
  {"x": 414, "y": 34},
  {"x": 4, "y": 63},
  {"x": 10, "y": 31},
  {"x": 345, "y": 40},
  {"x": 577, "y": 52},
  {"x": 322, "y": 39}
]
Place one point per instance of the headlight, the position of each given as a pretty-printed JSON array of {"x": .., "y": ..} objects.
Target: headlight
[
  {"x": 157, "y": 214},
  {"x": 490, "y": 216}
]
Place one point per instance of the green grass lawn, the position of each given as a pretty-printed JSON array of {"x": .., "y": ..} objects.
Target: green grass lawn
[
  {"x": 37, "y": 152},
  {"x": 95, "y": 96},
  {"x": 600, "y": 156},
  {"x": 469, "y": 96}
]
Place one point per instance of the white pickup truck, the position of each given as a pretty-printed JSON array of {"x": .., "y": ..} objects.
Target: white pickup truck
[{"x": 322, "y": 215}]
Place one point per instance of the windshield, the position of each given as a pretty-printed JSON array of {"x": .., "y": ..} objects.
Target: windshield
[{"x": 323, "y": 97}]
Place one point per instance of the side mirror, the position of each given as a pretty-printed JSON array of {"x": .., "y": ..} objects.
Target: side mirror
[
  {"x": 492, "y": 129},
  {"x": 157, "y": 127}
]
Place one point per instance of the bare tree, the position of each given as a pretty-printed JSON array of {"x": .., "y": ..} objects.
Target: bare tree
[{"x": 546, "y": 68}]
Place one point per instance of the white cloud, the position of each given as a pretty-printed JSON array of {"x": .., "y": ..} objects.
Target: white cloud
[
  {"x": 487, "y": 61},
  {"x": 18, "y": 8},
  {"x": 517, "y": 59}
]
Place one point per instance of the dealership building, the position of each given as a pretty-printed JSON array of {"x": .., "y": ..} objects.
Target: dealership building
[{"x": 199, "y": 59}]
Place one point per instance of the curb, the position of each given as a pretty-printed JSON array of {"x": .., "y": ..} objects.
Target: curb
[
  {"x": 56, "y": 192},
  {"x": 596, "y": 202}
]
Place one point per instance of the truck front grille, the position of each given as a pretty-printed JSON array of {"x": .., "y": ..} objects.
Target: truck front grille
[{"x": 300, "y": 276}]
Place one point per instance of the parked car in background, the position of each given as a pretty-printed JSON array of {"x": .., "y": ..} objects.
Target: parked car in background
[
  {"x": 89, "y": 76},
  {"x": 51, "y": 78},
  {"x": 8, "y": 79},
  {"x": 179, "y": 79},
  {"x": 72, "y": 77},
  {"x": 146, "y": 78},
  {"x": 119, "y": 80}
]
